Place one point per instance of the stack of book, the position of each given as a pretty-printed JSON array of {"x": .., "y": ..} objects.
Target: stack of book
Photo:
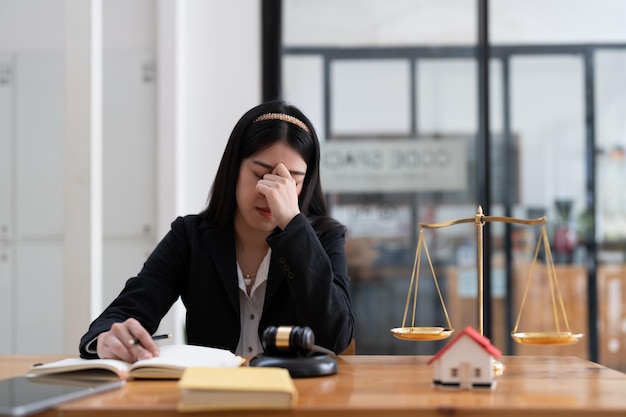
[{"x": 236, "y": 388}]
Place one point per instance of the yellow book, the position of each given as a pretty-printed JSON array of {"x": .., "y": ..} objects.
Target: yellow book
[{"x": 236, "y": 388}]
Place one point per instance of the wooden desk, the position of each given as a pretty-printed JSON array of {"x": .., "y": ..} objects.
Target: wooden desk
[{"x": 389, "y": 386}]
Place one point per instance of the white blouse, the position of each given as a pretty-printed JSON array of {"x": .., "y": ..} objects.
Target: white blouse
[{"x": 251, "y": 307}]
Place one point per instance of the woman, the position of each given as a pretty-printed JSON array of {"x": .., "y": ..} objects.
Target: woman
[{"x": 263, "y": 253}]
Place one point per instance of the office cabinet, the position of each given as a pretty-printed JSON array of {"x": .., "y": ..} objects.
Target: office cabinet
[
  {"x": 6, "y": 199},
  {"x": 32, "y": 223},
  {"x": 31, "y": 203}
]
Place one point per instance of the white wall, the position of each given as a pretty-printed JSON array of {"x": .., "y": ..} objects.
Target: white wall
[
  {"x": 213, "y": 77},
  {"x": 219, "y": 79},
  {"x": 163, "y": 135}
]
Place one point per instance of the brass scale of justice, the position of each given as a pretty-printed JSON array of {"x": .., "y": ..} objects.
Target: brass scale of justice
[{"x": 557, "y": 337}]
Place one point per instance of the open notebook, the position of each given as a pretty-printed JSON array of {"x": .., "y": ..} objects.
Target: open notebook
[{"x": 172, "y": 362}]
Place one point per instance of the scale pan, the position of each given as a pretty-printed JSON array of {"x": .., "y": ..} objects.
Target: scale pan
[
  {"x": 547, "y": 338},
  {"x": 421, "y": 333}
]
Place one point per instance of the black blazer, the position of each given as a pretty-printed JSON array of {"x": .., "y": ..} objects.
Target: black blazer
[{"x": 308, "y": 285}]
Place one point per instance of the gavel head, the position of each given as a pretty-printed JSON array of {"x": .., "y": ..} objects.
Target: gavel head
[{"x": 288, "y": 340}]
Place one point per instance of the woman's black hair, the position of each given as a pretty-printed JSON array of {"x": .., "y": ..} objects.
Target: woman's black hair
[{"x": 248, "y": 138}]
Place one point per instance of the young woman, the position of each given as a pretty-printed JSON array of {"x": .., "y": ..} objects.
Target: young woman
[{"x": 263, "y": 253}]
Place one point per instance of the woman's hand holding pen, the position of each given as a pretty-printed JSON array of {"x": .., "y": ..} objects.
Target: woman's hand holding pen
[
  {"x": 281, "y": 192},
  {"x": 127, "y": 341}
]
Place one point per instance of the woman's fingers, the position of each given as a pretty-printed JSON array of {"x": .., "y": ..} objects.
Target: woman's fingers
[
  {"x": 127, "y": 341},
  {"x": 281, "y": 193}
]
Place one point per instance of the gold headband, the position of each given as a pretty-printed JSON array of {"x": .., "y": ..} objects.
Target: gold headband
[{"x": 285, "y": 118}]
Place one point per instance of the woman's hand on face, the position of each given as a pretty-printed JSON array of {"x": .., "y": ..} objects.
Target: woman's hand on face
[
  {"x": 121, "y": 342},
  {"x": 281, "y": 192}
]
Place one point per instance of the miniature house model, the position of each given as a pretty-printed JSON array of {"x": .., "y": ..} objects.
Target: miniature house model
[{"x": 467, "y": 361}]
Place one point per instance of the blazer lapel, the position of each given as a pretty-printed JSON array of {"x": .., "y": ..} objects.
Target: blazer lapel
[
  {"x": 274, "y": 278},
  {"x": 221, "y": 248}
]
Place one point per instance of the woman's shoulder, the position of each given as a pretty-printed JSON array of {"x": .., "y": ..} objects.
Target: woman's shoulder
[
  {"x": 187, "y": 220},
  {"x": 191, "y": 223}
]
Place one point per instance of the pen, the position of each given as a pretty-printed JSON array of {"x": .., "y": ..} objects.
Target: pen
[{"x": 155, "y": 337}]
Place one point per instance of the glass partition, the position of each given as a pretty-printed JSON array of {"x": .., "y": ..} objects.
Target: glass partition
[{"x": 400, "y": 79}]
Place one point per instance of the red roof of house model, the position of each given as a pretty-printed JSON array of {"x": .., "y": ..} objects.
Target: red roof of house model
[{"x": 478, "y": 338}]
